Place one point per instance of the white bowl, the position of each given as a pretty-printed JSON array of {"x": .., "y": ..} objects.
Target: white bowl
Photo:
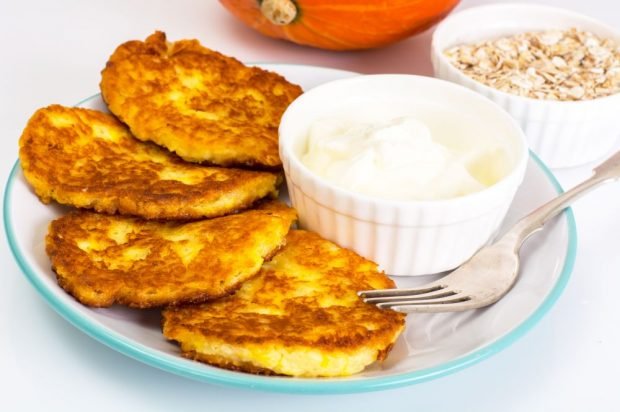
[
  {"x": 562, "y": 133},
  {"x": 404, "y": 237}
]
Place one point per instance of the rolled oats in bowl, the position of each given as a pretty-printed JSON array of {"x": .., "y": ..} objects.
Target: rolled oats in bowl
[
  {"x": 555, "y": 71},
  {"x": 570, "y": 64}
]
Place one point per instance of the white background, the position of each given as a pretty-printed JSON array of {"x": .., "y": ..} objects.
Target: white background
[{"x": 53, "y": 53}]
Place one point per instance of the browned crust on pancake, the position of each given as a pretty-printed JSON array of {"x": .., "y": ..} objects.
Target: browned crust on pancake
[
  {"x": 64, "y": 160},
  {"x": 198, "y": 103},
  {"x": 304, "y": 298},
  {"x": 223, "y": 362},
  {"x": 102, "y": 260}
]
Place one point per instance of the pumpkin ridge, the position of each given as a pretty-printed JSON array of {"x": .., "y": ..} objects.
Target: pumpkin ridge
[
  {"x": 357, "y": 28},
  {"x": 321, "y": 33},
  {"x": 299, "y": 33},
  {"x": 362, "y": 7}
]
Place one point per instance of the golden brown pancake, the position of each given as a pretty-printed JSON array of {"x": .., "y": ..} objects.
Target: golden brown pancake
[
  {"x": 198, "y": 103},
  {"x": 89, "y": 159},
  {"x": 102, "y": 259},
  {"x": 299, "y": 316}
]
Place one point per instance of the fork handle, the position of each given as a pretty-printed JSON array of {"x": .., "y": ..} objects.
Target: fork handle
[{"x": 607, "y": 171}]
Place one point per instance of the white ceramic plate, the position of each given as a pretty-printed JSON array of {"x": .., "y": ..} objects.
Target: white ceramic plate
[{"x": 430, "y": 347}]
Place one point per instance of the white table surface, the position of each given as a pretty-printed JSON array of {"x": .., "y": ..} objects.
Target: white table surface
[{"x": 53, "y": 53}]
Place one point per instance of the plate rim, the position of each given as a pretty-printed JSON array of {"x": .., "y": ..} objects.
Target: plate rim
[{"x": 188, "y": 369}]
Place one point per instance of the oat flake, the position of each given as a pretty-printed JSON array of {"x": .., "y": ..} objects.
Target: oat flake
[{"x": 554, "y": 65}]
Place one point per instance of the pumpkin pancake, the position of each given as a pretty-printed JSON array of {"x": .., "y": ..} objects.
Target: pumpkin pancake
[
  {"x": 198, "y": 103},
  {"x": 89, "y": 159},
  {"x": 299, "y": 316},
  {"x": 102, "y": 259}
]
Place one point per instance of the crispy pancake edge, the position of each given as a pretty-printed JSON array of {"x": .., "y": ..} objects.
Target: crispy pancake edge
[
  {"x": 360, "y": 349},
  {"x": 241, "y": 141},
  {"x": 40, "y": 144},
  {"x": 102, "y": 285}
]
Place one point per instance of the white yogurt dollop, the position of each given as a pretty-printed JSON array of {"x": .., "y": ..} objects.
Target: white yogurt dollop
[{"x": 397, "y": 159}]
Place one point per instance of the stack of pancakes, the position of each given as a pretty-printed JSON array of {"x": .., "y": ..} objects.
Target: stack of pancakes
[{"x": 174, "y": 195}]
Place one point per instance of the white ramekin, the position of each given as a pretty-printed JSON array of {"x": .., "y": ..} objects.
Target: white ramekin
[
  {"x": 562, "y": 133},
  {"x": 404, "y": 237}
]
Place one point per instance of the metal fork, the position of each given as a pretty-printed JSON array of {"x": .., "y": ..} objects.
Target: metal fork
[{"x": 490, "y": 273}]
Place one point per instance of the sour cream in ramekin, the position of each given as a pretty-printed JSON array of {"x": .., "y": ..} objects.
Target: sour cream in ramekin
[{"x": 413, "y": 157}]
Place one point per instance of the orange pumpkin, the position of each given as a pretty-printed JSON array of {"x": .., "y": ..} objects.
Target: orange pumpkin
[{"x": 340, "y": 24}]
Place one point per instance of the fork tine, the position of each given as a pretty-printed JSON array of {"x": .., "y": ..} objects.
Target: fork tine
[
  {"x": 381, "y": 293},
  {"x": 443, "y": 293},
  {"x": 406, "y": 302},
  {"x": 457, "y": 304}
]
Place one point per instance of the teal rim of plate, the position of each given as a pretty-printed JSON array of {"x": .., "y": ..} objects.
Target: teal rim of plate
[{"x": 197, "y": 371}]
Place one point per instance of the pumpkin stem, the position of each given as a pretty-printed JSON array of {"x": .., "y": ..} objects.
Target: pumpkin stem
[{"x": 280, "y": 12}]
